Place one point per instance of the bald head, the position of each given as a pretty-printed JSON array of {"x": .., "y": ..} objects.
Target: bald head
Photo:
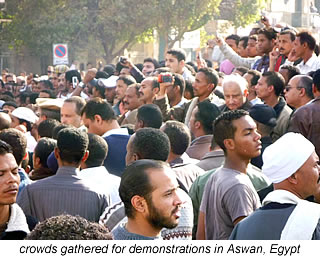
[{"x": 5, "y": 121}]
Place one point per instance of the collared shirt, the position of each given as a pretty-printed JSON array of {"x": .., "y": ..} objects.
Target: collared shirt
[
  {"x": 312, "y": 64},
  {"x": 117, "y": 131}
]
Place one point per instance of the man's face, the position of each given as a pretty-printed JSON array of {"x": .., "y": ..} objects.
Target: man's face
[
  {"x": 69, "y": 115},
  {"x": 165, "y": 202},
  {"x": 9, "y": 179},
  {"x": 292, "y": 92},
  {"x": 233, "y": 96},
  {"x": 93, "y": 126},
  {"x": 173, "y": 64},
  {"x": 8, "y": 109},
  {"x": 298, "y": 49},
  {"x": 201, "y": 87},
  {"x": 61, "y": 82},
  {"x": 308, "y": 177},
  {"x": 246, "y": 140},
  {"x": 264, "y": 45},
  {"x": 285, "y": 44},
  {"x": 242, "y": 51},
  {"x": 44, "y": 95},
  {"x": 110, "y": 94},
  {"x": 131, "y": 100},
  {"x": 262, "y": 88},
  {"x": 54, "y": 80},
  {"x": 121, "y": 88},
  {"x": 232, "y": 44},
  {"x": 124, "y": 72},
  {"x": 146, "y": 91},
  {"x": 36, "y": 87},
  {"x": 148, "y": 68},
  {"x": 251, "y": 48}
]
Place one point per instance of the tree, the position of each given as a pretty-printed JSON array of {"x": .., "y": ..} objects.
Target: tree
[{"x": 241, "y": 12}]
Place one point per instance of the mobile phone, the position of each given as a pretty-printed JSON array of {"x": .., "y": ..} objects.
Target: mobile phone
[{"x": 74, "y": 82}]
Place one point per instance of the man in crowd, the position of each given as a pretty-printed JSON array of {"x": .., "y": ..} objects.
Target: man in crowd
[
  {"x": 229, "y": 195},
  {"x": 71, "y": 111},
  {"x": 291, "y": 163},
  {"x": 149, "y": 191},
  {"x": 65, "y": 192}
]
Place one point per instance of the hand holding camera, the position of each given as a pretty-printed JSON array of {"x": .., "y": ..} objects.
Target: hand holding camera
[{"x": 165, "y": 80}]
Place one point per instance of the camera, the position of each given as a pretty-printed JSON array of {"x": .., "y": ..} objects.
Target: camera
[{"x": 165, "y": 78}]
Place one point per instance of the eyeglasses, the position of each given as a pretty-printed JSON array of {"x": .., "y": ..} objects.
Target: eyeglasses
[
  {"x": 287, "y": 88},
  {"x": 49, "y": 71}
]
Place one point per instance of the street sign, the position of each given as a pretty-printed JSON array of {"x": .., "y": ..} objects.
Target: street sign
[{"x": 60, "y": 54}]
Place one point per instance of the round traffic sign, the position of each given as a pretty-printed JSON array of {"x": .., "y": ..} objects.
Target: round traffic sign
[{"x": 60, "y": 51}]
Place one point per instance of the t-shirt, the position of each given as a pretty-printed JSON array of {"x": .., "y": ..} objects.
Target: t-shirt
[{"x": 228, "y": 195}]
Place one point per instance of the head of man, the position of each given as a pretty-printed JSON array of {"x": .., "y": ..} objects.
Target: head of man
[
  {"x": 288, "y": 72},
  {"x": 202, "y": 118},
  {"x": 233, "y": 41},
  {"x": 131, "y": 98},
  {"x": 271, "y": 83},
  {"x": 46, "y": 93},
  {"x": 292, "y": 164},
  {"x": 149, "y": 191},
  {"x": 5, "y": 121},
  {"x": 205, "y": 82},
  {"x": 98, "y": 150},
  {"x": 43, "y": 149},
  {"x": 176, "y": 91},
  {"x": 236, "y": 133},
  {"x": 299, "y": 89},
  {"x": 122, "y": 84},
  {"x": 18, "y": 142},
  {"x": 61, "y": 82},
  {"x": 242, "y": 46},
  {"x": 252, "y": 77},
  {"x": 69, "y": 75},
  {"x": 9, "y": 179},
  {"x": 304, "y": 45},
  {"x": 97, "y": 116},
  {"x": 71, "y": 111},
  {"x": 235, "y": 91},
  {"x": 266, "y": 40},
  {"x": 285, "y": 41},
  {"x": 252, "y": 46},
  {"x": 148, "y": 143},
  {"x": 149, "y": 115},
  {"x": 23, "y": 116},
  {"x": 72, "y": 145},
  {"x": 149, "y": 66},
  {"x": 148, "y": 90},
  {"x": 175, "y": 60},
  {"x": 179, "y": 136},
  {"x": 9, "y": 106},
  {"x": 67, "y": 227}
]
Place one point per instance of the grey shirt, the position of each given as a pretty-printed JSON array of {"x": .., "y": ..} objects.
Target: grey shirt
[
  {"x": 228, "y": 195},
  {"x": 64, "y": 193}
]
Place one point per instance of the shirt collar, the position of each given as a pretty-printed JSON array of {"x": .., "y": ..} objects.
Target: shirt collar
[{"x": 117, "y": 131}]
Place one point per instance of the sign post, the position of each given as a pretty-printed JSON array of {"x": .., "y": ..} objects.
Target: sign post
[{"x": 60, "y": 54}]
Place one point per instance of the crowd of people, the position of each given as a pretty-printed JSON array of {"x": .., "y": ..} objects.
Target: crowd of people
[{"x": 223, "y": 147}]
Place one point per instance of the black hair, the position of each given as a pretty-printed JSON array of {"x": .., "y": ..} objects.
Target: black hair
[
  {"x": 98, "y": 150},
  {"x": 269, "y": 33},
  {"x": 72, "y": 144},
  {"x": 72, "y": 73},
  {"x": 292, "y": 70},
  {"x": 223, "y": 127},
  {"x": 179, "y": 81},
  {"x": 180, "y": 54},
  {"x": 276, "y": 80},
  {"x": 306, "y": 37},
  {"x": 316, "y": 79},
  {"x": 234, "y": 37},
  {"x": 50, "y": 113},
  {"x": 255, "y": 76},
  {"x": 154, "y": 61},
  {"x": 5, "y": 148},
  {"x": 50, "y": 92},
  {"x": 290, "y": 32},
  {"x": 58, "y": 128},
  {"x": 102, "y": 75},
  {"x": 150, "y": 115},
  {"x": 98, "y": 106},
  {"x": 47, "y": 83},
  {"x": 127, "y": 79},
  {"x": 43, "y": 149},
  {"x": 151, "y": 143},
  {"x": 45, "y": 128},
  {"x": 244, "y": 39},
  {"x": 211, "y": 75},
  {"x": 306, "y": 83},
  {"x": 179, "y": 136},
  {"x": 206, "y": 114}
]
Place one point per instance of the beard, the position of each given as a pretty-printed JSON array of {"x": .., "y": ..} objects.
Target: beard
[{"x": 158, "y": 220}]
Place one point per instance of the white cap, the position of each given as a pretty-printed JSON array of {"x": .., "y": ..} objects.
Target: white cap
[{"x": 26, "y": 114}]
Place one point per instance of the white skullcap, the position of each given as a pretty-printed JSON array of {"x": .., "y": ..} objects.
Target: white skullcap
[{"x": 284, "y": 157}]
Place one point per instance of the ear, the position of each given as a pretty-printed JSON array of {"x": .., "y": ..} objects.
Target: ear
[
  {"x": 314, "y": 89},
  {"x": 293, "y": 179},
  {"x": 155, "y": 91},
  {"x": 197, "y": 124},
  {"x": 139, "y": 203},
  {"x": 211, "y": 87},
  {"x": 98, "y": 119},
  {"x": 271, "y": 88},
  {"x": 36, "y": 162},
  {"x": 85, "y": 157},
  {"x": 56, "y": 153},
  {"x": 229, "y": 144},
  {"x": 302, "y": 92}
]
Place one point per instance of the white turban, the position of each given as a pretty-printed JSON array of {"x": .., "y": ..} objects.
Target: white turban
[{"x": 284, "y": 157}]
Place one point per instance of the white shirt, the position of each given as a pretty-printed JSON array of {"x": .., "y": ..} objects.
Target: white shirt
[
  {"x": 117, "y": 131},
  {"x": 109, "y": 183},
  {"x": 312, "y": 64}
]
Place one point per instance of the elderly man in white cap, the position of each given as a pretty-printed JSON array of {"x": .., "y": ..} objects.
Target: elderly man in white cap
[{"x": 291, "y": 163}]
